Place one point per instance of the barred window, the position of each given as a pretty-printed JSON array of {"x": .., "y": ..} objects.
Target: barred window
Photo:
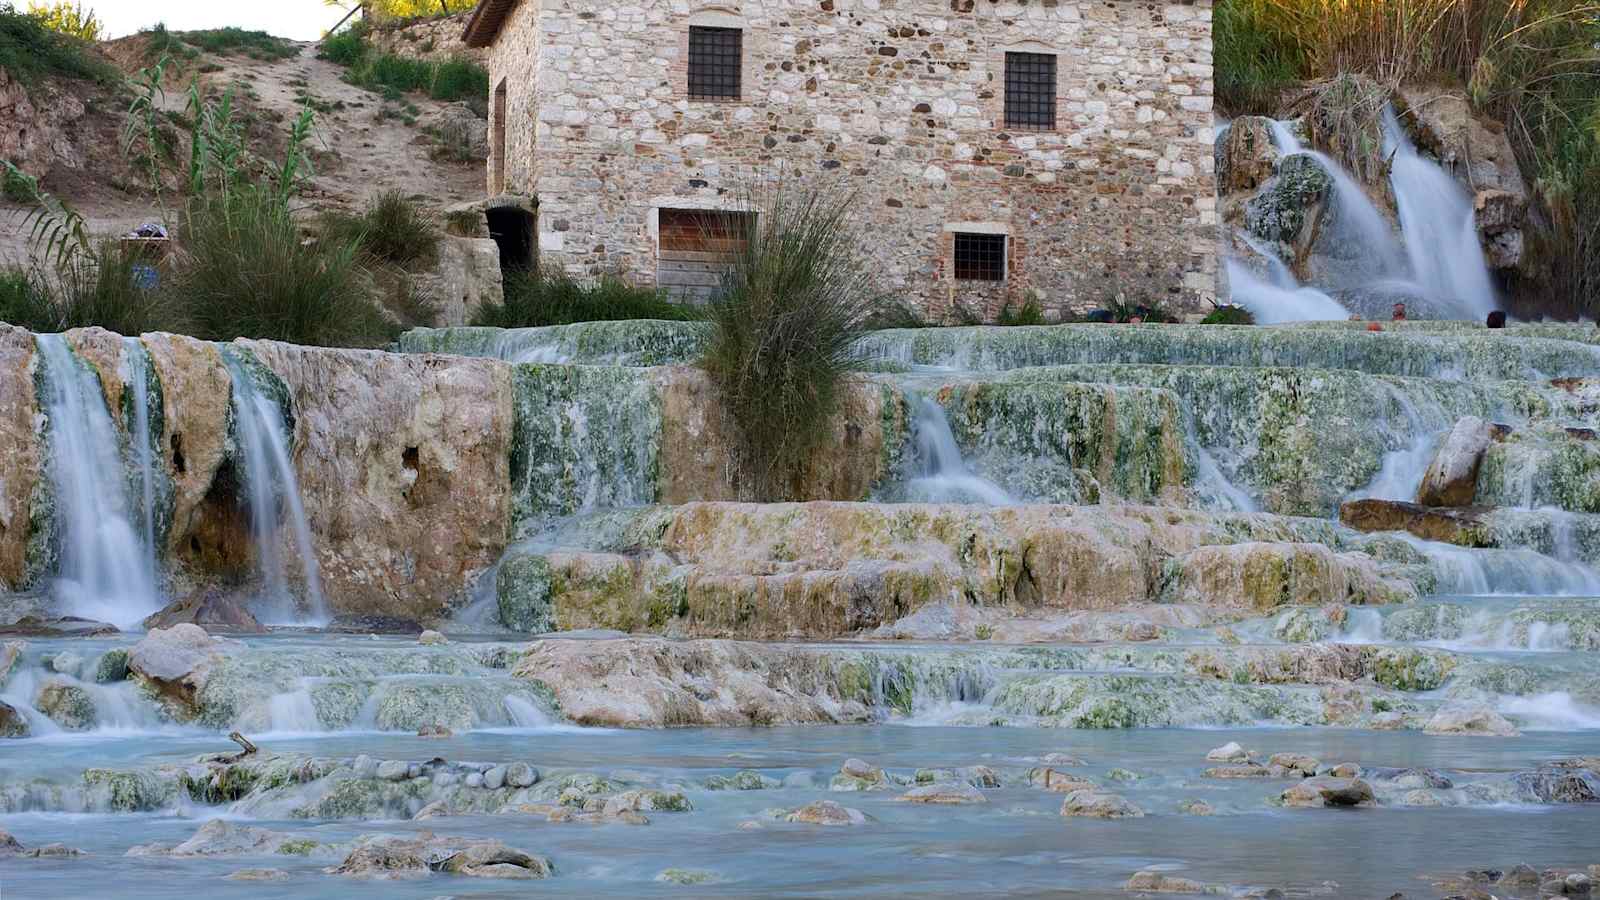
[
  {"x": 715, "y": 59},
  {"x": 980, "y": 257},
  {"x": 1031, "y": 91}
]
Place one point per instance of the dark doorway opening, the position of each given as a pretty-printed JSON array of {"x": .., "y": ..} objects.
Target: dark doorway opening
[{"x": 512, "y": 230}]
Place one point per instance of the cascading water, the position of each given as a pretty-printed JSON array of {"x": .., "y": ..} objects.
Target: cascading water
[
  {"x": 942, "y": 476},
  {"x": 270, "y": 478},
  {"x": 1436, "y": 223},
  {"x": 1436, "y": 256},
  {"x": 142, "y": 438},
  {"x": 107, "y": 569}
]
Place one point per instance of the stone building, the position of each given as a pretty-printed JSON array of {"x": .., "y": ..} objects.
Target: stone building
[{"x": 1000, "y": 150}]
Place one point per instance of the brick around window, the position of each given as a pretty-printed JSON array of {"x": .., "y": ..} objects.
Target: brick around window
[
  {"x": 716, "y": 58},
  {"x": 980, "y": 257}
]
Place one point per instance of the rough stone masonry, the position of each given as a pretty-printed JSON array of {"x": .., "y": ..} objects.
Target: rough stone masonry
[{"x": 904, "y": 103}]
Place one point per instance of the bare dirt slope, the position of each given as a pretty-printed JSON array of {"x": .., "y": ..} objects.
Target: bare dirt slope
[{"x": 361, "y": 143}]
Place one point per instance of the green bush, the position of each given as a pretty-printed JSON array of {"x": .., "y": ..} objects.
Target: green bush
[
  {"x": 246, "y": 271},
  {"x": 392, "y": 229},
  {"x": 345, "y": 48},
  {"x": 391, "y": 76},
  {"x": 18, "y": 186},
  {"x": 532, "y": 299},
  {"x": 785, "y": 327},
  {"x": 30, "y": 51},
  {"x": 25, "y": 300},
  {"x": 1229, "y": 314},
  {"x": 1252, "y": 66}
]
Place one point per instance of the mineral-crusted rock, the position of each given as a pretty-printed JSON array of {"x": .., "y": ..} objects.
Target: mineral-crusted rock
[{"x": 1452, "y": 477}]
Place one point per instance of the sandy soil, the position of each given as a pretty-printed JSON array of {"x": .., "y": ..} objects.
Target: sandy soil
[{"x": 355, "y": 151}]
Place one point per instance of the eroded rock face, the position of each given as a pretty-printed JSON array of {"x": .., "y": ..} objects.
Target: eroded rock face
[
  {"x": 41, "y": 119},
  {"x": 826, "y": 569},
  {"x": 1452, "y": 477},
  {"x": 403, "y": 464},
  {"x": 22, "y": 448},
  {"x": 1246, "y": 155}
]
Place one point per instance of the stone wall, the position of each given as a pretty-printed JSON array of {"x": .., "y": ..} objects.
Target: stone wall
[{"x": 902, "y": 102}]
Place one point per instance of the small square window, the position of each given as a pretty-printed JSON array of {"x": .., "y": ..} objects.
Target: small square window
[
  {"x": 716, "y": 56},
  {"x": 1031, "y": 91},
  {"x": 980, "y": 257}
]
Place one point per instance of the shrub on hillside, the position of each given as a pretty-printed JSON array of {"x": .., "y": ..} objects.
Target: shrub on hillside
[
  {"x": 532, "y": 299},
  {"x": 30, "y": 51},
  {"x": 391, "y": 75},
  {"x": 245, "y": 270},
  {"x": 392, "y": 228},
  {"x": 784, "y": 330}
]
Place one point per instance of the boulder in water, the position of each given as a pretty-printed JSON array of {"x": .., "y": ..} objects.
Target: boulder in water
[
  {"x": 946, "y": 793},
  {"x": 1232, "y": 751},
  {"x": 10, "y": 652},
  {"x": 68, "y": 705},
  {"x": 1325, "y": 790},
  {"x": 1452, "y": 477},
  {"x": 432, "y": 638},
  {"x": 9, "y": 846},
  {"x": 687, "y": 876},
  {"x": 1097, "y": 804},
  {"x": 414, "y": 856},
  {"x": 175, "y": 662},
  {"x": 12, "y": 722},
  {"x": 111, "y": 667},
  {"x": 826, "y": 812},
  {"x": 1473, "y": 719},
  {"x": 1153, "y": 882},
  {"x": 212, "y": 610}
]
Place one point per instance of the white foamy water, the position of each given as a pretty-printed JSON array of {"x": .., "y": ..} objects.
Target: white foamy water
[
  {"x": 270, "y": 478},
  {"x": 1553, "y": 711},
  {"x": 107, "y": 569},
  {"x": 942, "y": 475}
]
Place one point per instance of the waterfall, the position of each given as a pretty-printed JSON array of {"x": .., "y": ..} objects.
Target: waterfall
[
  {"x": 1436, "y": 223},
  {"x": 1436, "y": 255},
  {"x": 942, "y": 476},
  {"x": 143, "y": 439},
  {"x": 269, "y": 477},
  {"x": 107, "y": 570},
  {"x": 1354, "y": 213}
]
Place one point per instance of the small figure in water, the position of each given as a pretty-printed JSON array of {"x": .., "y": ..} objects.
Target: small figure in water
[
  {"x": 1399, "y": 312},
  {"x": 1497, "y": 319}
]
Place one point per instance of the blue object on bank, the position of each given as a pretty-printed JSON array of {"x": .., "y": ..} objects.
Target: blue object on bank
[{"x": 146, "y": 278}]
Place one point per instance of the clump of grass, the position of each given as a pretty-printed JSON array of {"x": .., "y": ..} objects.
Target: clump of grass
[
  {"x": 533, "y": 299},
  {"x": 1252, "y": 68},
  {"x": 1228, "y": 314},
  {"x": 784, "y": 330},
  {"x": 1029, "y": 313},
  {"x": 245, "y": 270},
  {"x": 25, "y": 300},
  {"x": 392, "y": 229},
  {"x": 30, "y": 51},
  {"x": 17, "y": 185},
  {"x": 100, "y": 288}
]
